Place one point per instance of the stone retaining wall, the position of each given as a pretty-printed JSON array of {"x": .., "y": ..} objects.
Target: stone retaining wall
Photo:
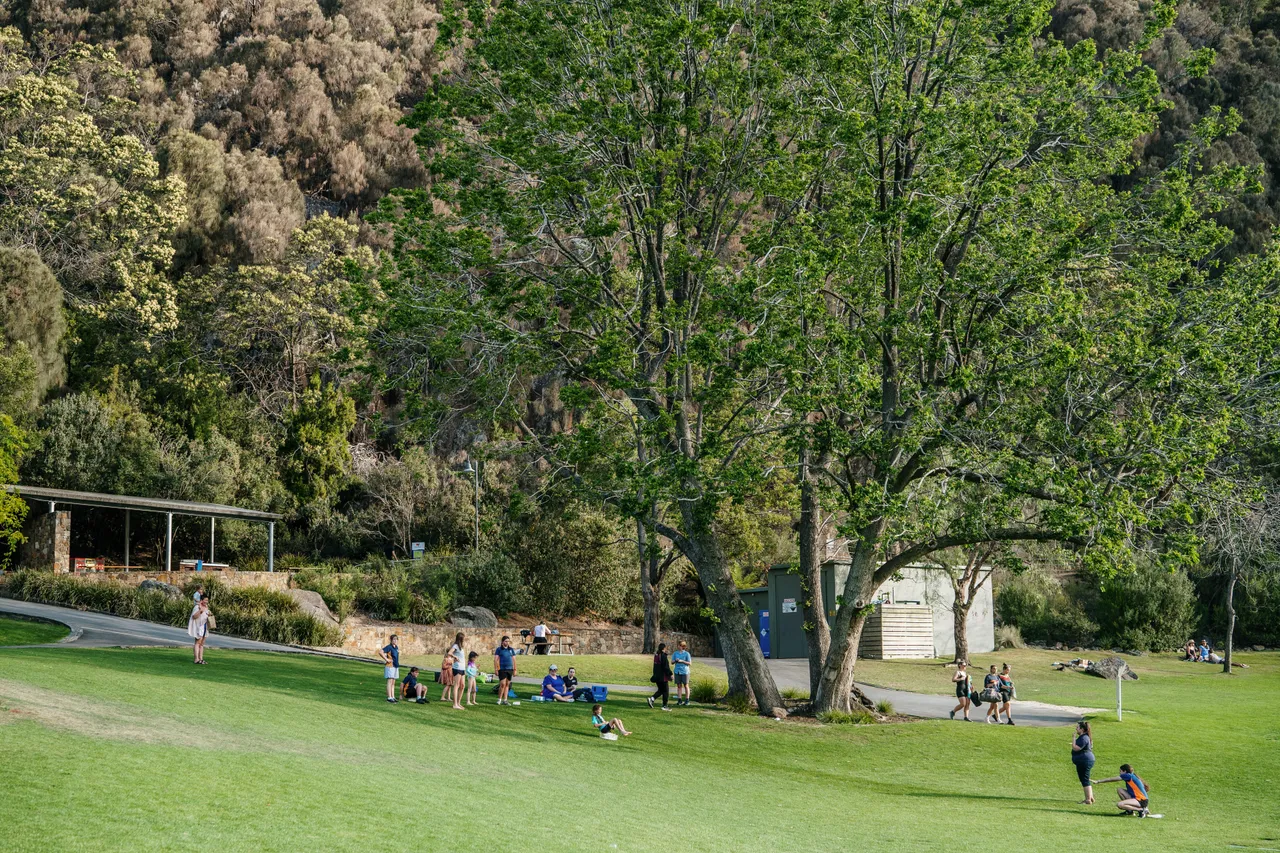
[
  {"x": 278, "y": 581},
  {"x": 364, "y": 637}
]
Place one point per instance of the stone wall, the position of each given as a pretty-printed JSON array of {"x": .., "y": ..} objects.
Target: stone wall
[
  {"x": 48, "y": 544},
  {"x": 278, "y": 581},
  {"x": 364, "y": 637}
]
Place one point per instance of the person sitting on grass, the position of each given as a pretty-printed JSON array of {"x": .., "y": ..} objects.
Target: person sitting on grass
[
  {"x": 411, "y": 689},
  {"x": 606, "y": 727},
  {"x": 1133, "y": 795},
  {"x": 553, "y": 686},
  {"x": 1190, "y": 651}
]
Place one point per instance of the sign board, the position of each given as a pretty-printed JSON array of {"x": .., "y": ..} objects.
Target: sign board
[
  {"x": 417, "y": 548},
  {"x": 764, "y": 632},
  {"x": 788, "y": 605}
]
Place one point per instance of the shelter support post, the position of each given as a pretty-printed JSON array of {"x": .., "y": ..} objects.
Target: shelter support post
[
  {"x": 168, "y": 541},
  {"x": 271, "y": 546},
  {"x": 126, "y": 540},
  {"x": 212, "y": 525}
]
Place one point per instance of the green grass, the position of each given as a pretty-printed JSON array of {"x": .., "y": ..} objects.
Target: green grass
[
  {"x": 23, "y": 632},
  {"x": 140, "y": 750}
]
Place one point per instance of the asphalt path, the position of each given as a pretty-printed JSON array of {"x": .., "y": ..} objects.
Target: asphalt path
[{"x": 103, "y": 630}]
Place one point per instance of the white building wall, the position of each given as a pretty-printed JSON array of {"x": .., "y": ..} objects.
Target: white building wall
[{"x": 933, "y": 587}]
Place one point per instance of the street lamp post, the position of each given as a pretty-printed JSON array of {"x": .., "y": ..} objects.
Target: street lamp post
[{"x": 474, "y": 471}]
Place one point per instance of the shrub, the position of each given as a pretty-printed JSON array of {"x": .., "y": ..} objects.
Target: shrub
[
  {"x": 256, "y": 613},
  {"x": 491, "y": 580},
  {"x": 856, "y": 717},
  {"x": 884, "y": 706},
  {"x": 1009, "y": 637},
  {"x": 737, "y": 703},
  {"x": 794, "y": 693},
  {"x": 705, "y": 691},
  {"x": 1149, "y": 608},
  {"x": 1042, "y": 610}
]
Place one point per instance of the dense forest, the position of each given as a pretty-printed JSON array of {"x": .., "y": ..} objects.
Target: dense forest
[{"x": 211, "y": 288}]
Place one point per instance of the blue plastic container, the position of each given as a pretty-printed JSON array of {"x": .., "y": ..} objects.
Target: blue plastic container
[{"x": 599, "y": 693}]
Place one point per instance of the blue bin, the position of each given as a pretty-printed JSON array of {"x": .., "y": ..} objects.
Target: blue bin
[{"x": 599, "y": 692}]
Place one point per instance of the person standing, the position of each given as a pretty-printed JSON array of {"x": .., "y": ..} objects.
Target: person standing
[
  {"x": 504, "y": 664},
  {"x": 1082, "y": 758},
  {"x": 198, "y": 628},
  {"x": 661, "y": 677},
  {"x": 964, "y": 687},
  {"x": 459, "y": 666},
  {"x": 1006, "y": 693},
  {"x": 198, "y": 594},
  {"x": 473, "y": 674},
  {"x": 540, "y": 643},
  {"x": 991, "y": 693},
  {"x": 682, "y": 661},
  {"x": 391, "y": 666}
]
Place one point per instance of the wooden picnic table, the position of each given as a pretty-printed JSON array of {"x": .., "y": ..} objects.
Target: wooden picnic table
[{"x": 556, "y": 644}]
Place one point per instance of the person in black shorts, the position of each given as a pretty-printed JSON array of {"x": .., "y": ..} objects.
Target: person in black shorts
[
  {"x": 504, "y": 664},
  {"x": 1006, "y": 693},
  {"x": 411, "y": 689},
  {"x": 964, "y": 687}
]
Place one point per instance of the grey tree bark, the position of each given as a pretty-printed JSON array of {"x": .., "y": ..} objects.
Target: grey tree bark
[
  {"x": 809, "y": 531},
  {"x": 1231, "y": 620}
]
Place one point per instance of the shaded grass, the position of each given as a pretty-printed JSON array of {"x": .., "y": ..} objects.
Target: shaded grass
[
  {"x": 22, "y": 632},
  {"x": 280, "y": 752}
]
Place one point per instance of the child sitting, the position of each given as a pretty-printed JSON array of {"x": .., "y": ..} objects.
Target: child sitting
[
  {"x": 606, "y": 727},
  {"x": 411, "y": 689}
]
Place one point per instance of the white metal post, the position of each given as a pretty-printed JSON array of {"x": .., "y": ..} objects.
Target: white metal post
[
  {"x": 168, "y": 541},
  {"x": 126, "y": 540},
  {"x": 212, "y": 522},
  {"x": 1119, "y": 712},
  {"x": 271, "y": 546}
]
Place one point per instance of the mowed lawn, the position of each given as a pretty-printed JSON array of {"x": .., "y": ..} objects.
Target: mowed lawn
[
  {"x": 141, "y": 750},
  {"x": 25, "y": 632}
]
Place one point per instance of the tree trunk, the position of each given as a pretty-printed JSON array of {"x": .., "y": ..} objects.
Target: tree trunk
[
  {"x": 736, "y": 637},
  {"x": 817, "y": 632},
  {"x": 960, "y": 615},
  {"x": 1231, "y": 621},
  {"x": 835, "y": 690},
  {"x": 650, "y": 590},
  {"x": 738, "y": 684}
]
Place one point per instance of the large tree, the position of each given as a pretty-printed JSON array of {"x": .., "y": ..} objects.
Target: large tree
[
  {"x": 599, "y": 172},
  {"x": 1012, "y": 348}
]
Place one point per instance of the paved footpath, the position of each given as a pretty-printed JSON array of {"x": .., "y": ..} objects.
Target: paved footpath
[{"x": 101, "y": 630}]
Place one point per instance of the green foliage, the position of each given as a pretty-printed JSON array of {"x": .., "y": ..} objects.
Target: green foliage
[
  {"x": 1038, "y": 605},
  {"x": 859, "y": 716},
  {"x": 30, "y": 318},
  {"x": 1150, "y": 608},
  {"x": 252, "y": 612},
  {"x": 1009, "y": 637},
  {"x": 794, "y": 693},
  {"x": 737, "y": 703},
  {"x": 704, "y": 691},
  {"x": 884, "y": 706},
  {"x": 13, "y": 509},
  {"x": 315, "y": 457}
]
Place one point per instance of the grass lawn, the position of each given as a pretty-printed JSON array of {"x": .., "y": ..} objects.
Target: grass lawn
[
  {"x": 140, "y": 750},
  {"x": 23, "y": 632}
]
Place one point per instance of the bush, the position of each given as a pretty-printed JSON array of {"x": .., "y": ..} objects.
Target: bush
[
  {"x": 856, "y": 717},
  {"x": 491, "y": 580},
  {"x": 794, "y": 693},
  {"x": 1009, "y": 637},
  {"x": 884, "y": 706},
  {"x": 737, "y": 703},
  {"x": 1149, "y": 608},
  {"x": 255, "y": 613},
  {"x": 705, "y": 691},
  {"x": 1039, "y": 606}
]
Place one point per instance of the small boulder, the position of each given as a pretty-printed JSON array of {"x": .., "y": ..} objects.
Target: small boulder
[
  {"x": 310, "y": 601},
  {"x": 1059, "y": 646},
  {"x": 778, "y": 713},
  {"x": 1111, "y": 668},
  {"x": 160, "y": 586},
  {"x": 1259, "y": 648},
  {"x": 473, "y": 617}
]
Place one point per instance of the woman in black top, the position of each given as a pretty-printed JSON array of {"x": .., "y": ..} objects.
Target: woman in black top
[
  {"x": 964, "y": 686},
  {"x": 991, "y": 693},
  {"x": 661, "y": 677},
  {"x": 1006, "y": 693},
  {"x": 1082, "y": 758}
]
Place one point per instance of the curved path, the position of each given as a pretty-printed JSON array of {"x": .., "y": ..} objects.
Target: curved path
[{"x": 100, "y": 630}]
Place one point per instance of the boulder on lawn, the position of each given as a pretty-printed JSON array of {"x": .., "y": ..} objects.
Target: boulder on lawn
[
  {"x": 160, "y": 586},
  {"x": 1111, "y": 668},
  {"x": 310, "y": 601},
  {"x": 1259, "y": 648},
  {"x": 473, "y": 617}
]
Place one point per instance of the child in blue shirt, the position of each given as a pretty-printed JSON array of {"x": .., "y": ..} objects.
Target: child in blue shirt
[
  {"x": 1133, "y": 796},
  {"x": 681, "y": 661},
  {"x": 606, "y": 727}
]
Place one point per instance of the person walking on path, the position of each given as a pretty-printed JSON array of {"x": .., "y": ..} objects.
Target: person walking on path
[
  {"x": 391, "y": 666},
  {"x": 991, "y": 693},
  {"x": 1082, "y": 758},
  {"x": 1133, "y": 795},
  {"x": 661, "y": 677},
  {"x": 964, "y": 686},
  {"x": 682, "y": 661},
  {"x": 198, "y": 627},
  {"x": 459, "y": 674},
  {"x": 606, "y": 727},
  {"x": 1006, "y": 693},
  {"x": 504, "y": 664}
]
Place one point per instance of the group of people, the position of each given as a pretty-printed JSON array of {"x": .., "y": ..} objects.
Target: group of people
[
  {"x": 997, "y": 691},
  {"x": 1133, "y": 794},
  {"x": 664, "y": 672}
]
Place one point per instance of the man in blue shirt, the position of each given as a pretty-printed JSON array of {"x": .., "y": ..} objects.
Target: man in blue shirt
[
  {"x": 1133, "y": 795},
  {"x": 682, "y": 661},
  {"x": 553, "y": 686},
  {"x": 391, "y": 666},
  {"x": 504, "y": 663}
]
